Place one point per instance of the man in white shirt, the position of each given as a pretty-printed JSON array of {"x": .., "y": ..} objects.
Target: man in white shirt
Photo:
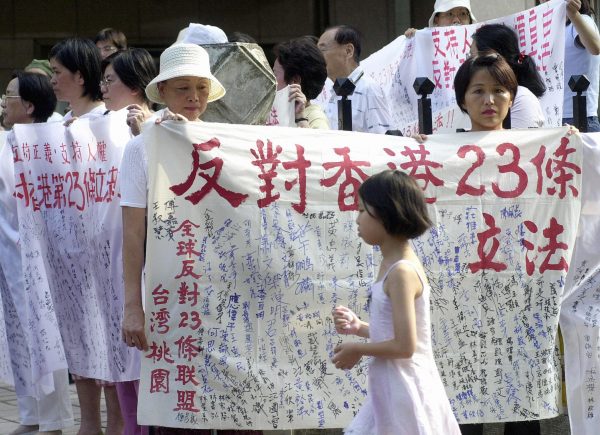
[{"x": 341, "y": 46}]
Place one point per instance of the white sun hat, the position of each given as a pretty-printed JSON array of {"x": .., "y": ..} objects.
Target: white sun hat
[
  {"x": 180, "y": 60},
  {"x": 446, "y": 5}
]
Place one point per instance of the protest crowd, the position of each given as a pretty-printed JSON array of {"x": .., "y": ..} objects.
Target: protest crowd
[{"x": 90, "y": 297}]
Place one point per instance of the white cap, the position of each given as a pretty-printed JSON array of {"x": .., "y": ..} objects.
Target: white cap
[{"x": 446, "y": 5}]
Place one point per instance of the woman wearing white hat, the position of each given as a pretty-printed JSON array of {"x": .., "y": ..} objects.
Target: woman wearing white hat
[
  {"x": 185, "y": 85},
  {"x": 448, "y": 13}
]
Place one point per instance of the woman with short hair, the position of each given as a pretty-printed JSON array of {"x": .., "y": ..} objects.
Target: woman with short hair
[
  {"x": 485, "y": 87},
  {"x": 125, "y": 77},
  {"x": 300, "y": 65},
  {"x": 527, "y": 111},
  {"x": 76, "y": 80},
  {"x": 76, "y": 77},
  {"x": 28, "y": 99},
  {"x": 109, "y": 41},
  {"x": 126, "y": 74}
]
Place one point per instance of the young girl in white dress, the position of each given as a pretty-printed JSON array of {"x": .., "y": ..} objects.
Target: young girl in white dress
[{"x": 405, "y": 393}]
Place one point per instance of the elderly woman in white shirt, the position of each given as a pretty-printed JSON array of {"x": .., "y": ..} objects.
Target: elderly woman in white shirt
[{"x": 185, "y": 85}]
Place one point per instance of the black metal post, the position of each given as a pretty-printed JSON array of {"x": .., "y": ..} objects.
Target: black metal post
[
  {"x": 579, "y": 84},
  {"x": 344, "y": 87},
  {"x": 345, "y": 114},
  {"x": 424, "y": 87}
]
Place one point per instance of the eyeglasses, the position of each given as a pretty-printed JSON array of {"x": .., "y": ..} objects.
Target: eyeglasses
[
  {"x": 4, "y": 97},
  {"x": 106, "y": 82},
  {"x": 461, "y": 15},
  {"x": 108, "y": 48}
]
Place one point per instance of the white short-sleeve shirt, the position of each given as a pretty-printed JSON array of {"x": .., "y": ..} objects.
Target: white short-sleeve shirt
[
  {"x": 370, "y": 108},
  {"x": 134, "y": 174},
  {"x": 526, "y": 111}
]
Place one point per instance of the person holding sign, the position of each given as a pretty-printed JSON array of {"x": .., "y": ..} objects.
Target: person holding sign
[
  {"x": 448, "y": 13},
  {"x": 485, "y": 87},
  {"x": 185, "y": 85},
  {"x": 582, "y": 56},
  {"x": 300, "y": 65},
  {"x": 125, "y": 77},
  {"x": 405, "y": 391},
  {"x": 76, "y": 80},
  {"x": 29, "y": 99},
  {"x": 76, "y": 77}
]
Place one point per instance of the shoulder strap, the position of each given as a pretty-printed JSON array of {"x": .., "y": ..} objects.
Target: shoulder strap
[{"x": 410, "y": 263}]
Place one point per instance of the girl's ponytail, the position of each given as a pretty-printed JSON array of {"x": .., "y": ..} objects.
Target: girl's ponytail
[{"x": 527, "y": 74}]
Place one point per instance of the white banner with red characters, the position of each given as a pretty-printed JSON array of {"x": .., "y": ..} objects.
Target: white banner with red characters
[
  {"x": 6, "y": 374},
  {"x": 66, "y": 187},
  {"x": 283, "y": 110},
  {"x": 252, "y": 242},
  {"x": 580, "y": 311},
  {"x": 438, "y": 52}
]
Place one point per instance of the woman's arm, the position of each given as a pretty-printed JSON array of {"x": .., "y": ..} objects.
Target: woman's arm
[
  {"x": 402, "y": 286},
  {"x": 134, "y": 234},
  {"x": 588, "y": 34}
]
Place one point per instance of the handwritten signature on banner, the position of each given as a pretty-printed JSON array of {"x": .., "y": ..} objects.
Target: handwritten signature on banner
[{"x": 251, "y": 242}]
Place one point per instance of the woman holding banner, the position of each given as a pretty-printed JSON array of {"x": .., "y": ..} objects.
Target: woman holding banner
[
  {"x": 76, "y": 80},
  {"x": 448, "y": 13},
  {"x": 300, "y": 65},
  {"x": 485, "y": 87},
  {"x": 29, "y": 99},
  {"x": 125, "y": 77},
  {"x": 76, "y": 77},
  {"x": 185, "y": 85}
]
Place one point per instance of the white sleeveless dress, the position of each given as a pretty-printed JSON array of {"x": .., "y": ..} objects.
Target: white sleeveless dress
[{"x": 404, "y": 396}]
